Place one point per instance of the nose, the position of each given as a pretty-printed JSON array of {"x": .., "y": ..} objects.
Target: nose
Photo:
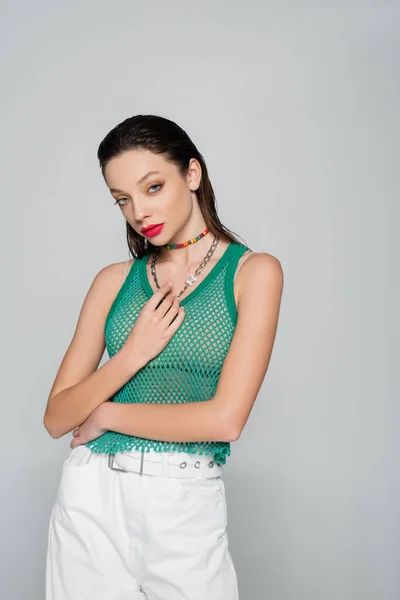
[{"x": 141, "y": 214}]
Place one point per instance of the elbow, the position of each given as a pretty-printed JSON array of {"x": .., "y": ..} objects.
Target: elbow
[
  {"x": 50, "y": 428},
  {"x": 233, "y": 434},
  {"x": 51, "y": 420},
  {"x": 230, "y": 431},
  {"x": 228, "y": 427}
]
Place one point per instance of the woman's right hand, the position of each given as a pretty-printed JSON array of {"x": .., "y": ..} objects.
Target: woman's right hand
[{"x": 154, "y": 328}]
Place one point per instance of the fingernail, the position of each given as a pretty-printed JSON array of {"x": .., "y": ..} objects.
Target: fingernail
[{"x": 170, "y": 283}]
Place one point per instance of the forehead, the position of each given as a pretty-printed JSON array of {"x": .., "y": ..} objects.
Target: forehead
[{"x": 127, "y": 168}]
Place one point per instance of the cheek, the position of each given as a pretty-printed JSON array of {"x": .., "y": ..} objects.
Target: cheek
[{"x": 176, "y": 198}]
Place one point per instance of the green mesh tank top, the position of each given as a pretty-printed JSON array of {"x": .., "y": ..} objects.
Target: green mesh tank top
[{"x": 188, "y": 368}]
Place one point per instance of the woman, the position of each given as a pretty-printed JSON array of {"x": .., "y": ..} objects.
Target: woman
[{"x": 189, "y": 325}]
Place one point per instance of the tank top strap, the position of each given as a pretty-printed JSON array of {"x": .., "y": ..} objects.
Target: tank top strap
[
  {"x": 125, "y": 273},
  {"x": 241, "y": 260},
  {"x": 238, "y": 250}
]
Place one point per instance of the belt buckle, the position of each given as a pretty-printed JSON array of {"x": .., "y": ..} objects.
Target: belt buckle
[{"x": 111, "y": 463}]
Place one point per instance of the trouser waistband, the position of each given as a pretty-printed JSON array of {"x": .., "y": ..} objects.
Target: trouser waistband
[{"x": 165, "y": 464}]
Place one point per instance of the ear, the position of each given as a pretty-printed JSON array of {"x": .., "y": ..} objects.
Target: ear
[{"x": 194, "y": 174}]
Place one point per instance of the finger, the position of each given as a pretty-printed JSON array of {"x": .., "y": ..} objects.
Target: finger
[
  {"x": 171, "y": 313},
  {"x": 165, "y": 307},
  {"x": 177, "y": 321},
  {"x": 157, "y": 297}
]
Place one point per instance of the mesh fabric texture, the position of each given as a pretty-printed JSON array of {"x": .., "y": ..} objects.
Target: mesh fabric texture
[{"x": 188, "y": 368}]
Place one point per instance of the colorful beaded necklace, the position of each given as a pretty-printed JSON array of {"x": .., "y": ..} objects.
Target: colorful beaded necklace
[
  {"x": 192, "y": 278},
  {"x": 192, "y": 241}
]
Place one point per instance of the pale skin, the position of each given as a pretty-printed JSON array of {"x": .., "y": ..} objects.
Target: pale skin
[{"x": 77, "y": 401}]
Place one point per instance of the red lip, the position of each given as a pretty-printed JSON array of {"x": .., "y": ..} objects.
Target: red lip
[
  {"x": 152, "y": 230},
  {"x": 144, "y": 229}
]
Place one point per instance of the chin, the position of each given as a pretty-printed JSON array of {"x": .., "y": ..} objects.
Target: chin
[{"x": 155, "y": 245}]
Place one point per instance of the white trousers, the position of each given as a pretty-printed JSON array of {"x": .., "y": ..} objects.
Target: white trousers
[{"x": 137, "y": 526}]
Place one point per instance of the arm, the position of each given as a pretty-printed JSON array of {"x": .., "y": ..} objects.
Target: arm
[
  {"x": 79, "y": 388},
  {"x": 224, "y": 416}
]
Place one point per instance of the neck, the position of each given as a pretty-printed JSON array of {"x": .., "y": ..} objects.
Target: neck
[{"x": 193, "y": 254}]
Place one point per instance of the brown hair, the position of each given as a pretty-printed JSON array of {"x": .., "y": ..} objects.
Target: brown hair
[{"x": 161, "y": 136}]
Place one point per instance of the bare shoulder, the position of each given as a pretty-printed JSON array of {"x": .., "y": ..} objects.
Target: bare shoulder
[
  {"x": 263, "y": 261},
  {"x": 115, "y": 269},
  {"x": 257, "y": 270},
  {"x": 110, "y": 278}
]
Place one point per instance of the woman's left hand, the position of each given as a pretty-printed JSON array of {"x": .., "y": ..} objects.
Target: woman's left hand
[{"x": 90, "y": 429}]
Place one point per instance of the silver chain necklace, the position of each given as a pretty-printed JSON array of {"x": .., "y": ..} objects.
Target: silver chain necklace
[{"x": 192, "y": 278}]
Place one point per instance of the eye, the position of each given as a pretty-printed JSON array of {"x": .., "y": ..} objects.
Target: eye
[
  {"x": 123, "y": 201},
  {"x": 159, "y": 185},
  {"x": 119, "y": 200}
]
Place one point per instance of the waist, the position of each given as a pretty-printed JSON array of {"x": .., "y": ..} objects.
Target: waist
[
  {"x": 112, "y": 442},
  {"x": 165, "y": 464}
]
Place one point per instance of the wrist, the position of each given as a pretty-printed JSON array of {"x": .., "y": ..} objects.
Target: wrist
[
  {"x": 104, "y": 414},
  {"x": 129, "y": 361}
]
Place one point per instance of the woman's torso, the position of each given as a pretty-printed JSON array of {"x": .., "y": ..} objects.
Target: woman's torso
[{"x": 188, "y": 368}]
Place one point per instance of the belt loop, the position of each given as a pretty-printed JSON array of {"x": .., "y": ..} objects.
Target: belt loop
[
  {"x": 166, "y": 458},
  {"x": 141, "y": 462}
]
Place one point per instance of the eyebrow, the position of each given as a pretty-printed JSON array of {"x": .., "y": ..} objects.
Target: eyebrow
[{"x": 139, "y": 182}]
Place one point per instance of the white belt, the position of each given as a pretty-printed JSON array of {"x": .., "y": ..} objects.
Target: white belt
[{"x": 165, "y": 464}]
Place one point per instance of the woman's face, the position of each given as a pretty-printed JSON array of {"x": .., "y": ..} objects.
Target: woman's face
[{"x": 161, "y": 197}]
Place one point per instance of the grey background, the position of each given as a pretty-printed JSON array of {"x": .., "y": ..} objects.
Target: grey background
[{"x": 295, "y": 107}]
